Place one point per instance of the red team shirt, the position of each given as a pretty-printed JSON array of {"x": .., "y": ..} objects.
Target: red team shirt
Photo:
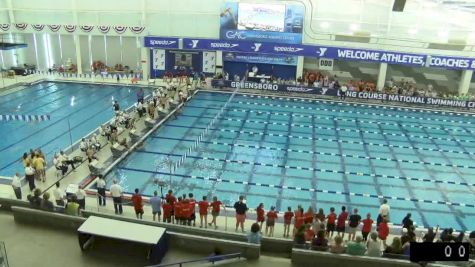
[
  {"x": 203, "y": 205},
  {"x": 288, "y": 217},
  {"x": 342, "y": 218},
  {"x": 331, "y": 218},
  {"x": 260, "y": 214},
  {"x": 367, "y": 225},
  {"x": 216, "y": 206},
  {"x": 167, "y": 210},
  {"x": 271, "y": 216},
  {"x": 299, "y": 219}
]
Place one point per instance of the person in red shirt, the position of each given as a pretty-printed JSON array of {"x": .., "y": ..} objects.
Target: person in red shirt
[
  {"x": 367, "y": 225},
  {"x": 299, "y": 219},
  {"x": 138, "y": 204},
  {"x": 287, "y": 221},
  {"x": 309, "y": 232},
  {"x": 215, "y": 208},
  {"x": 177, "y": 211},
  {"x": 191, "y": 215},
  {"x": 383, "y": 231},
  {"x": 185, "y": 212},
  {"x": 260, "y": 214},
  {"x": 331, "y": 218},
  {"x": 309, "y": 215},
  {"x": 170, "y": 198},
  {"x": 271, "y": 218},
  {"x": 167, "y": 212},
  {"x": 203, "y": 207},
  {"x": 341, "y": 222}
]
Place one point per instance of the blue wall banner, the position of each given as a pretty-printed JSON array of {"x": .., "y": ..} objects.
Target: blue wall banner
[
  {"x": 161, "y": 42},
  {"x": 452, "y": 62},
  {"x": 278, "y": 23},
  {"x": 333, "y": 92},
  {"x": 260, "y": 58}
]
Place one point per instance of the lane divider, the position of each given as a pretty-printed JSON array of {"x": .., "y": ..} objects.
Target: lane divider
[
  {"x": 334, "y": 118},
  {"x": 340, "y": 129},
  {"x": 362, "y": 105},
  {"x": 334, "y": 192},
  {"x": 325, "y": 154},
  {"x": 328, "y": 140},
  {"x": 311, "y": 169}
]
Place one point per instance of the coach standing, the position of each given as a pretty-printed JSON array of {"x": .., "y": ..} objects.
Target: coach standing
[
  {"x": 116, "y": 192},
  {"x": 241, "y": 209}
]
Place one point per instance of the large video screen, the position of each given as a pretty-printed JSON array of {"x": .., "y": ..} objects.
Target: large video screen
[
  {"x": 183, "y": 59},
  {"x": 277, "y": 23},
  {"x": 261, "y": 17}
]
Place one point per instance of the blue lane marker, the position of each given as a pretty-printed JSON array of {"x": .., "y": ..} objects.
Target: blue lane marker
[
  {"x": 326, "y": 154},
  {"x": 330, "y": 117},
  {"x": 337, "y": 129},
  {"x": 298, "y": 188},
  {"x": 328, "y": 140},
  {"x": 309, "y": 168}
]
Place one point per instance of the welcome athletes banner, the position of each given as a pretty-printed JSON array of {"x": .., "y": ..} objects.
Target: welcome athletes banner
[
  {"x": 161, "y": 42},
  {"x": 333, "y": 92}
]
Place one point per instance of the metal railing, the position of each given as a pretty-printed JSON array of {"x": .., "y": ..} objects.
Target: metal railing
[
  {"x": 3, "y": 255},
  {"x": 211, "y": 259}
]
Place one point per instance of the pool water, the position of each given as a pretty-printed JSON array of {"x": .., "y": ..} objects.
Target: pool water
[
  {"x": 85, "y": 106},
  {"x": 288, "y": 151}
]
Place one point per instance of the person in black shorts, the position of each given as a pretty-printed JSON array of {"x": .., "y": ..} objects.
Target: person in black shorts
[{"x": 353, "y": 223}]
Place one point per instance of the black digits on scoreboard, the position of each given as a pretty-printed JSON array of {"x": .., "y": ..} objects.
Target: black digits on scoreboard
[{"x": 439, "y": 251}]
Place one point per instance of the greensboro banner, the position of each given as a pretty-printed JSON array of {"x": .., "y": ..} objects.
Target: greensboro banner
[{"x": 333, "y": 92}]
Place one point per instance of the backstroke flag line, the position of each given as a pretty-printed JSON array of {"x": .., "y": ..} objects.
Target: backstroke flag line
[{"x": 28, "y": 118}]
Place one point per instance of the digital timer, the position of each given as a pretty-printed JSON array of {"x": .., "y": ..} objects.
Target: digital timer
[{"x": 457, "y": 251}]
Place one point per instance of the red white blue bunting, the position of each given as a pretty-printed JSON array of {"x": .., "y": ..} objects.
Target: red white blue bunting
[
  {"x": 69, "y": 28},
  {"x": 72, "y": 28},
  {"x": 38, "y": 27},
  {"x": 104, "y": 29},
  {"x": 86, "y": 28},
  {"x": 21, "y": 26},
  {"x": 54, "y": 28},
  {"x": 137, "y": 30},
  {"x": 4, "y": 27}
]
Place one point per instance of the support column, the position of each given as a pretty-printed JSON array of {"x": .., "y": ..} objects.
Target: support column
[
  {"x": 299, "y": 72},
  {"x": 145, "y": 62},
  {"x": 464, "y": 83},
  {"x": 383, "y": 67},
  {"x": 78, "y": 53}
]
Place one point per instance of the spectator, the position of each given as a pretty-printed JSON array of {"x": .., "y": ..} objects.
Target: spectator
[
  {"x": 58, "y": 195},
  {"x": 101, "y": 190},
  {"x": 299, "y": 218},
  {"x": 383, "y": 212},
  {"x": 356, "y": 247},
  {"x": 215, "y": 209},
  {"x": 46, "y": 204},
  {"x": 299, "y": 238},
  {"x": 308, "y": 216},
  {"x": 167, "y": 211},
  {"x": 255, "y": 235},
  {"x": 287, "y": 221},
  {"x": 383, "y": 231},
  {"x": 429, "y": 236},
  {"x": 446, "y": 235},
  {"x": 395, "y": 247},
  {"x": 203, "y": 208},
  {"x": 81, "y": 198},
  {"x": 30, "y": 176},
  {"x": 320, "y": 243},
  {"x": 320, "y": 216},
  {"x": 270, "y": 222},
  {"x": 138, "y": 204},
  {"x": 353, "y": 223},
  {"x": 170, "y": 198},
  {"x": 407, "y": 222},
  {"x": 156, "y": 204},
  {"x": 374, "y": 246},
  {"x": 367, "y": 226},
  {"x": 191, "y": 211},
  {"x": 72, "y": 208},
  {"x": 337, "y": 247},
  {"x": 341, "y": 222},
  {"x": 461, "y": 237},
  {"x": 331, "y": 218},
  {"x": 241, "y": 209},
  {"x": 260, "y": 214},
  {"x": 116, "y": 192},
  {"x": 35, "y": 199},
  {"x": 309, "y": 233},
  {"x": 16, "y": 185}
]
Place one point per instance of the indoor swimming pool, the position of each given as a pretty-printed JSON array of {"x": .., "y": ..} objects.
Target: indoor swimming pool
[
  {"x": 289, "y": 151},
  {"x": 79, "y": 107}
]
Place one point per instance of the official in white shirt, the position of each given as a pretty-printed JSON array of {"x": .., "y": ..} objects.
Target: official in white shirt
[
  {"x": 30, "y": 176},
  {"x": 16, "y": 185},
  {"x": 116, "y": 192},
  {"x": 81, "y": 197},
  {"x": 383, "y": 212},
  {"x": 83, "y": 145},
  {"x": 101, "y": 190},
  {"x": 58, "y": 195}
]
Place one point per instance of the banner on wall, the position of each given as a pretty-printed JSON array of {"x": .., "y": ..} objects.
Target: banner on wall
[
  {"x": 451, "y": 62},
  {"x": 158, "y": 57},
  {"x": 209, "y": 62},
  {"x": 279, "y": 23},
  {"x": 260, "y": 58},
  {"x": 161, "y": 42},
  {"x": 333, "y": 92}
]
